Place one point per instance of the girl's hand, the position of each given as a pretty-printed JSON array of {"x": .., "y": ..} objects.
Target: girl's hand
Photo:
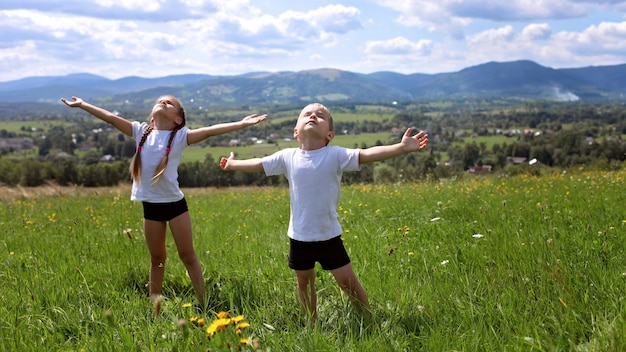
[
  {"x": 76, "y": 102},
  {"x": 417, "y": 142},
  {"x": 254, "y": 119}
]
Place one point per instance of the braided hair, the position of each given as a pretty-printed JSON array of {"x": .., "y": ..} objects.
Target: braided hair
[{"x": 135, "y": 164}]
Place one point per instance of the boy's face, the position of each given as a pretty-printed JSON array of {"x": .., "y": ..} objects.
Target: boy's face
[{"x": 314, "y": 122}]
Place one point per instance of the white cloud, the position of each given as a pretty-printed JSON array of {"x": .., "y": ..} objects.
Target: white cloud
[
  {"x": 605, "y": 42},
  {"x": 536, "y": 31},
  {"x": 158, "y": 37},
  {"x": 492, "y": 36},
  {"x": 398, "y": 46}
]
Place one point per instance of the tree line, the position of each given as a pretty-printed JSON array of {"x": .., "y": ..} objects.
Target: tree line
[{"x": 563, "y": 136}]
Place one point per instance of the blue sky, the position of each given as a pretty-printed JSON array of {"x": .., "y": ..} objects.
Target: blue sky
[{"x": 155, "y": 38}]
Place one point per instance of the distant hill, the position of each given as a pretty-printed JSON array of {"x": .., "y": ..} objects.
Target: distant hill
[{"x": 518, "y": 79}]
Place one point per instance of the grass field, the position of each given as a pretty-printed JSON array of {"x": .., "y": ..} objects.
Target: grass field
[{"x": 474, "y": 264}]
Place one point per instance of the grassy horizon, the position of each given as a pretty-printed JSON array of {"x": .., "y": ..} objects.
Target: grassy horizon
[{"x": 496, "y": 263}]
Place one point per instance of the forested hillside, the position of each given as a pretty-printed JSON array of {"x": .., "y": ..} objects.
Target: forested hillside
[{"x": 69, "y": 147}]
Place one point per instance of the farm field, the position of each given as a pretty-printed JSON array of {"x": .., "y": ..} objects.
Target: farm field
[{"x": 474, "y": 264}]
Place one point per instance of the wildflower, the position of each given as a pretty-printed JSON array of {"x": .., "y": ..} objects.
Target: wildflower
[
  {"x": 445, "y": 262},
  {"x": 477, "y": 235},
  {"x": 222, "y": 315},
  {"x": 243, "y": 325},
  {"x": 237, "y": 319},
  {"x": 411, "y": 253},
  {"x": 218, "y": 325},
  {"x": 186, "y": 305}
]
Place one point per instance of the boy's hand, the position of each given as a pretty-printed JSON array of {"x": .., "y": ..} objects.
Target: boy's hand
[
  {"x": 76, "y": 102},
  {"x": 417, "y": 142},
  {"x": 224, "y": 162},
  {"x": 254, "y": 119}
]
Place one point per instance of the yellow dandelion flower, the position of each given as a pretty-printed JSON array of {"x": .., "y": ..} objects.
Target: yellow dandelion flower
[
  {"x": 237, "y": 319},
  {"x": 211, "y": 330},
  {"x": 186, "y": 305},
  {"x": 244, "y": 341},
  {"x": 243, "y": 325},
  {"x": 193, "y": 319},
  {"x": 221, "y": 323},
  {"x": 222, "y": 315}
]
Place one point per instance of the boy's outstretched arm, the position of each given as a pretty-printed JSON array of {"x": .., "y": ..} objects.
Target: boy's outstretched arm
[
  {"x": 248, "y": 165},
  {"x": 200, "y": 134},
  {"x": 123, "y": 125},
  {"x": 407, "y": 145}
]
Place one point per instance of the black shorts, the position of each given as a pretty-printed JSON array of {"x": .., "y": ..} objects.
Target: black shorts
[
  {"x": 164, "y": 211},
  {"x": 331, "y": 254}
]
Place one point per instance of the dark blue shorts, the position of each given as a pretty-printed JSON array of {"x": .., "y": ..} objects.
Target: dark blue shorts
[
  {"x": 331, "y": 254},
  {"x": 164, "y": 211}
]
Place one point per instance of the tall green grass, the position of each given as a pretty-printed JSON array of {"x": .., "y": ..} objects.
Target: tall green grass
[{"x": 476, "y": 264}]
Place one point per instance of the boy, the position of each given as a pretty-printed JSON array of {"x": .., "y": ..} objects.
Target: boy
[{"x": 314, "y": 173}]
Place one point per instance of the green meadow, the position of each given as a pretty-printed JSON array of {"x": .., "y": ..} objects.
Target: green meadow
[{"x": 492, "y": 263}]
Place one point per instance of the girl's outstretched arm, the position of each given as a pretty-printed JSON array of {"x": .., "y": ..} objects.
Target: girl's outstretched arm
[
  {"x": 248, "y": 165},
  {"x": 123, "y": 125},
  {"x": 200, "y": 134}
]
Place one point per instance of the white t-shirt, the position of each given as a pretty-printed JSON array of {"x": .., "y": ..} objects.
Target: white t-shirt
[
  {"x": 166, "y": 189},
  {"x": 314, "y": 186}
]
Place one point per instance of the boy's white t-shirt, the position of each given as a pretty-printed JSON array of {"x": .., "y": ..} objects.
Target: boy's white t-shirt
[
  {"x": 166, "y": 189},
  {"x": 314, "y": 186}
]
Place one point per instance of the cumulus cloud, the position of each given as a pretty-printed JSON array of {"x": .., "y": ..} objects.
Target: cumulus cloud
[
  {"x": 115, "y": 37},
  {"x": 492, "y": 36},
  {"x": 399, "y": 46},
  {"x": 315, "y": 24},
  {"x": 536, "y": 31},
  {"x": 144, "y": 10},
  {"x": 451, "y": 16},
  {"x": 603, "y": 40}
]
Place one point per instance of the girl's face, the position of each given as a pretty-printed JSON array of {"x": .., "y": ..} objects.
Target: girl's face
[
  {"x": 168, "y": 108},
  {"x": 314, "y": 121}
]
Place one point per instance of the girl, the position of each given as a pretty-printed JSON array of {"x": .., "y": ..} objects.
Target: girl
[{"x": 154, "y": 170}]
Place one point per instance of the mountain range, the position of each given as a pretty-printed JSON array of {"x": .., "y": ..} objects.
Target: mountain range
[{"x": 517, "y": 79}]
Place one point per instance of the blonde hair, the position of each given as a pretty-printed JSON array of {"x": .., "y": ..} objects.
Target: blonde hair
[{"x": 135, "y": 163}]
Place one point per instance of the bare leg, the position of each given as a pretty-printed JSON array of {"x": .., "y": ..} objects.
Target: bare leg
[
  {"x": 306, "y": 292},
  {"x": 154, "y": 232},
  {"x": 182, "y": 233},
  {"x": 347, "y": 280}
]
